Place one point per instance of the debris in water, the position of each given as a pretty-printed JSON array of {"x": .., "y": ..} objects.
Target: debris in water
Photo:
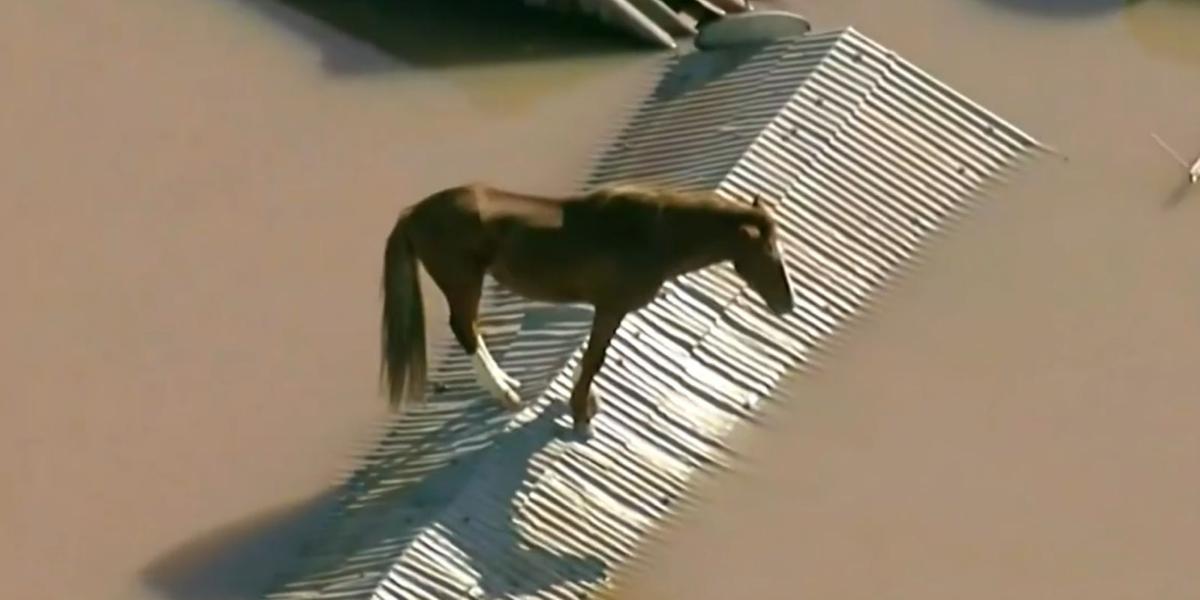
[{"x": 1193, "y": 169}]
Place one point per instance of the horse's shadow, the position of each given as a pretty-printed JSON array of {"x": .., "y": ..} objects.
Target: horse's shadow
[
  {"x": 346, "y": 541},
  {"x": 483, "y": 533},
  {"x": 380, "y": 35},
  {"x": 493, "y": 530},
  {"x": 238, "y": 560},
  {"x": 244, "y": 560}
]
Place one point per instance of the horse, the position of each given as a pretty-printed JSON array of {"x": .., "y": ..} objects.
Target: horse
[{"x": 612, "y": 248}]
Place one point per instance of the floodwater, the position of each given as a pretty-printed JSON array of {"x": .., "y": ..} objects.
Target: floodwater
[
  {"x": 1019, "y": 419},
  {"x": 194, "y": 195}
]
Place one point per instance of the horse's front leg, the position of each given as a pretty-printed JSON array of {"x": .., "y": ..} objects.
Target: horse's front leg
[{"x": 583, "y": 402}]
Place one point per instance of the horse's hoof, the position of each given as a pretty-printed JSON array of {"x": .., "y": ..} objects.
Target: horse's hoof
[
  {"x": 510, "y": 400},
  {"x": 512, "y": 383},
  {"x": 591, "y": 401},
  {"x": 583, "y": 430}
]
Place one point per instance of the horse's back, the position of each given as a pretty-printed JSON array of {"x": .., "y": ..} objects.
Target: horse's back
[
  {"x": 526, "y": 210},
  {"x": 488, "y": 206}
]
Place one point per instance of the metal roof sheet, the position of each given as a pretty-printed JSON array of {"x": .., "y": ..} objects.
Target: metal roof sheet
[{"x": 867, "y": 156}]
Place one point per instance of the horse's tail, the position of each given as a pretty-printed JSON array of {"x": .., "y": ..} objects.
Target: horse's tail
[{"x": 403, "y": 327}]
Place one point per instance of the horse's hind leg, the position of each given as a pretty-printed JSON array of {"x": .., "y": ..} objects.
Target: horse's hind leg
[
  {"x": 463, "y": 297},
  {"x": 449, "y": 237}
]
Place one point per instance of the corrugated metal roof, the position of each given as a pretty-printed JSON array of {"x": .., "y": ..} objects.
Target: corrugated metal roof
[{"x": 867, "y": 155}]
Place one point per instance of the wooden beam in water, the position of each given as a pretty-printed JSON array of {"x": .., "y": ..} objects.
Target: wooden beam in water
[{"x": 620, "y": 13}]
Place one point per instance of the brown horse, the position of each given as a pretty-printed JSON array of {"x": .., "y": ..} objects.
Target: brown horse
[{"x": 612, "y": 248}]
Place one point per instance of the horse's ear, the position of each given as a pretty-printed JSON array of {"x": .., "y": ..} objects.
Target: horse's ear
[{"x": 757, "y": 201}]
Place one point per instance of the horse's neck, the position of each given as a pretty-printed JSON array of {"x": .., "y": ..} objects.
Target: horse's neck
[{"x": 697, "y": 240}]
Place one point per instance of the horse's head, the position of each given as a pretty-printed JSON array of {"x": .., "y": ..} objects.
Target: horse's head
[{"x": 759, "y": 261}]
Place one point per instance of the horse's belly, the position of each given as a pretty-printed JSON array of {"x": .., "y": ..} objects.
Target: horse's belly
[
  {"x": 549, "y": 268},
  {"x": 540, "y": 282}
]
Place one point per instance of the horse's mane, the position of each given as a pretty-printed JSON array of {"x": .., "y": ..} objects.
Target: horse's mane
[
  {"x": 666, "y": 199},
  {"x": 658, "y": 201}
]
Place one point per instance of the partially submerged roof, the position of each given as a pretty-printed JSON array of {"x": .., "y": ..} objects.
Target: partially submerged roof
[
  {"x": 656, "y": 21},
  {"x": 865, "y": 157}
]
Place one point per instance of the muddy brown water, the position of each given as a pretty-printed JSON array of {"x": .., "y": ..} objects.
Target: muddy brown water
[{"x": 194, "y": 195}]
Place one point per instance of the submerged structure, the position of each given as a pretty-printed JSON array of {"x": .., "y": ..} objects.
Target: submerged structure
[
  {"x": 865, "y": 156},
  {"x": 655, "y": 21}
]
